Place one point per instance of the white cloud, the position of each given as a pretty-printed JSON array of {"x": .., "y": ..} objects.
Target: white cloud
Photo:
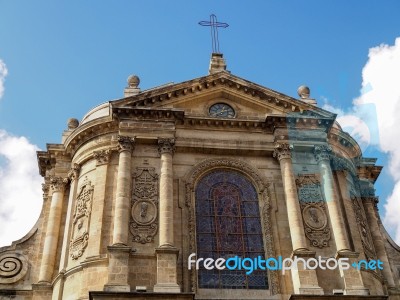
[
  {"x": 20, "y": 182},
  {"x": 20, "y": 187},
  {"x": 374, "y": 118},
  {"x": 3, "y": 74}
]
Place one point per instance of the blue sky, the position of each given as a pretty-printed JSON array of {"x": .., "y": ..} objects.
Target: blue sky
[{"x": 64, "y": 57}]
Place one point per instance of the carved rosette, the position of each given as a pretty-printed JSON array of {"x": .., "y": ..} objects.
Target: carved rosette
[
  {"x": 365, "y": 234},
  {"x": 102, "y": 157},
  {"x": 166, "y": 146},
  {"x": 144, "y": 205},
  {"x": 314, "y": 211},
  {"x": 81, "y": 218},
  {"x": 73, "y": 174},
  {"x": 13, "y": 267},
  {"x": 282, "y": 151},
  {"x": 125, "y": 143},
  {"x": 322, "y": 152}
]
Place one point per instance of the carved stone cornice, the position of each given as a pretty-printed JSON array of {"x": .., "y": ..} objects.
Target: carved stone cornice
[
  {"x": 102, "y": 156},
  {"x": 57, "y": 184},
  {"x": 166, "y": 146},
  {"x": 73, "y": 174},
  {"x": 282, "y": 151},
  {"x": 125, "y": 143},
  {"x": 322, "y": 152}
]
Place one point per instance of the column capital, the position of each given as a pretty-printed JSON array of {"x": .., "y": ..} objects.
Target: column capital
[
  {"x": 371, "y": 200},
  {"x": 166, "y": 145},
  {"x": 282, "y": 151},
  {"x": 125, "y": 143},
  {"x": 102, "y": 156},
  {"x": 322, "y": 152},
  {"x": 57, "y": 184},
  {"x": 74, "y": 172}
]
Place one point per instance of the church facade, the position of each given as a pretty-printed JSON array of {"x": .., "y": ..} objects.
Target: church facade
[{"x": 205, "y": 189}]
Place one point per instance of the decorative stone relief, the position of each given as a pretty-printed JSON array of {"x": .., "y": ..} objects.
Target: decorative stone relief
[
  {"x": 102, "y": 157},
  {"x": 313, "y": 209},
  {"x": 365, "y": 234},
  {"x": 144, "y": 209},
  {"x": 263, "y": 190},
  {"x": 81, "y": 219},
  {"x": 13, "y": 267}
]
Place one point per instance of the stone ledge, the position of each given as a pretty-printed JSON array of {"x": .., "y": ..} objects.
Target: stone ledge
[
  {"x": 336, "y": 297},
  {"x": 140, "y": 296}
]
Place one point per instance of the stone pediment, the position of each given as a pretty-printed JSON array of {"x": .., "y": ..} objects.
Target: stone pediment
[{"x": 250, "y": 101}]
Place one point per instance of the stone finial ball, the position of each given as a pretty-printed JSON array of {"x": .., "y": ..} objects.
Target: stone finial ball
[
  {"x": 304, "y": 92},
  {"x": 133, "y": 81},
  {"x": 72, "y": 123}
]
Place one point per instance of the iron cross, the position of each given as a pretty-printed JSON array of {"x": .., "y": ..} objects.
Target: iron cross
[{"x": 214, "y": 24}]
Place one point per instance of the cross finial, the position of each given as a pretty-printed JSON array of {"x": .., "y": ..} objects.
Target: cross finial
[{"x": 214, "y": 24}]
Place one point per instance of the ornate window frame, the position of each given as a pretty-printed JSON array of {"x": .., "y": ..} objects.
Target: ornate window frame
[{"x": 262, "y": 188}]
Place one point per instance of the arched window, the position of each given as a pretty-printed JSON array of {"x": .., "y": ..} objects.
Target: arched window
[{"x": 227, "y": 225}]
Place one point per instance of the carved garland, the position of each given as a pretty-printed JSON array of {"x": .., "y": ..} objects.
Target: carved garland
[
  {"x": 144, "y": 205},
  {"x": 313, "y": 209},
  {"x": 81, "y": 218},
  {"x": 264, "y": 194}
]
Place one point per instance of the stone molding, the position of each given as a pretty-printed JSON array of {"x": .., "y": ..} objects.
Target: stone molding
[
  {"x": 102, "y": 157},
  {"x": 166, "y": 146},
  {"x": 125, "y": 143},
  {"x": 262, "y": 187},
  {"x": 282, "y": 151}
]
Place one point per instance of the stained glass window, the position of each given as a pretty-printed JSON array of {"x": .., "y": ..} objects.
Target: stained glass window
[{"x": 227, "y": 225}]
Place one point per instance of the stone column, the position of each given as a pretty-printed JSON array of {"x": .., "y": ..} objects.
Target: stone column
[
  {"x": 304, "y": 281},
  {"x": 166, "y": 149},
  {"x": 73, "y": 176},
  {"x": 57, "y": 186},
  {"x": 118, "y": 268},
  {"x": 322, "y": 155},
  {"x": 379, "y": 243},
  {"x": 99, "y": 197},
  {"x": 351, "y": 277},
  {"x": 123, "y": 195},
  {"x": 282, "y": 153},
  {"x": 167, "y": 254}
]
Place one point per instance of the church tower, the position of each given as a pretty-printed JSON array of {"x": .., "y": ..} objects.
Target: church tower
[{"x": 205, "y": 189}]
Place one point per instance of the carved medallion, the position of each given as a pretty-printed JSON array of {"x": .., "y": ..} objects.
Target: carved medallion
[
  {"x": 81, "y": 218},
  {"x": 144, "y": 210},
  {"x": 313, "y": 209},
  {"x": 314, "y": 217}
]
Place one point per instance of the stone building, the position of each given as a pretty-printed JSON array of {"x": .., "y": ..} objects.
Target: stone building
[{"x": 216, "y": 168}]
